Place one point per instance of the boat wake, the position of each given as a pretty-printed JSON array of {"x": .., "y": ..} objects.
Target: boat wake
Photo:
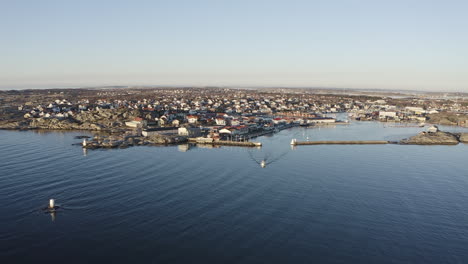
[{"x": 268, "y": 158}]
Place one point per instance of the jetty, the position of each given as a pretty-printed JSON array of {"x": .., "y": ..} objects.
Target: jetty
[{"x": 294, "y": 142}]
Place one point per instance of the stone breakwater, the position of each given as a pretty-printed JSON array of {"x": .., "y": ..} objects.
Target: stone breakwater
[
  {"x": 342, "y": 142},
  {"x": 423, "y": 138}
]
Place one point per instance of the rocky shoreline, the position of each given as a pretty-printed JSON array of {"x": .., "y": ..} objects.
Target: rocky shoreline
[
  {"x": 463, "y": 137},
  {"x": 125, "y": 141},
  {"x": 114, "y": 134},
  {"x": 99, "y": 120},
  {"x": 436, "y": 138},
  {"x": 109, "y": 124}
]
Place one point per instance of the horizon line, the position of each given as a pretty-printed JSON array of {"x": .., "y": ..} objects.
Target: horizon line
[{"x": 400, "y": 90}]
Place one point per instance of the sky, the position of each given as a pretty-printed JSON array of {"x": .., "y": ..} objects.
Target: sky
[{"x": 393, "y": 44}]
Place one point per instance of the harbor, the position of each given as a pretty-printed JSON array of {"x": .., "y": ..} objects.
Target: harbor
[{"x": 164, "y": 188}]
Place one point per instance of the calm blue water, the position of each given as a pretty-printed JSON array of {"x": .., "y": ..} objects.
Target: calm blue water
[{"x": 327, "y": 204}]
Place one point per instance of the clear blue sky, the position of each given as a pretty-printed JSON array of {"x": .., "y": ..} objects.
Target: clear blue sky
[{"x": 408, "y": 44}]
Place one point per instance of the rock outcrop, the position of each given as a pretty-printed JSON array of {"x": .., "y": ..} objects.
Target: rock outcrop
[
  {"x": 446, "y": 118},
  {"x": 13, "y": 124},
  {"x": 104, "y": 119},
  {"x": 123, "y": 141},
  {"x": 463, "y": 137},
  {"x": 61, "y": 124},
  {"x": 428, "y": 138},
  {"x": 107, "y": 117}
]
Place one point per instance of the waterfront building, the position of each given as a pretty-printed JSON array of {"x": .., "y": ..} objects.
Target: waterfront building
[
  {"x": 137, "y": 122},
  {"x": 433, "y": 129},
  {"x": 321, "y": 120},
  {"x": 189, "y": 131},
  {"x": 383, "y": 114}
]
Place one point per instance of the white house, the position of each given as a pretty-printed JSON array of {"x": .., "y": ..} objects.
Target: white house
[
  {"x": 416, "y": 110},
  {"x": 175, "y": 122},
  {"x": 137, "y": 122},
  {"x": 224, "y": 131},
  {"x": 192, "y": 119},
  {"x": 383, "y": 114},
  {"x": 433, "y": 129},
  {"x": 220, "y": 121}
]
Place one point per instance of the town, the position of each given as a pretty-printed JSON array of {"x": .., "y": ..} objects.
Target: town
[{"x": 207, "y": 115}]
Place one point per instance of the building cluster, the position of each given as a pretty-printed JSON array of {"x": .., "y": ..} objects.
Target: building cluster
[
  {"x": 414, "y": 110},
  {"x": 232, "y": 112}
]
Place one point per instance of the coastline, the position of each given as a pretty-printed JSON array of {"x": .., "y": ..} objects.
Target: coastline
[{"x": 126, "y": 137}]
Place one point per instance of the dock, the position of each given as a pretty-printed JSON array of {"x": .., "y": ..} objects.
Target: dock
[
  {"x": 210, "y": 141},
  {"x": 237, "y": 143}
]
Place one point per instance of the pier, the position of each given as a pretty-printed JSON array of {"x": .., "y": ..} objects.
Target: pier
[
  {"x": 237, "y": 143},
  {"x": 210, "y": 141}
]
